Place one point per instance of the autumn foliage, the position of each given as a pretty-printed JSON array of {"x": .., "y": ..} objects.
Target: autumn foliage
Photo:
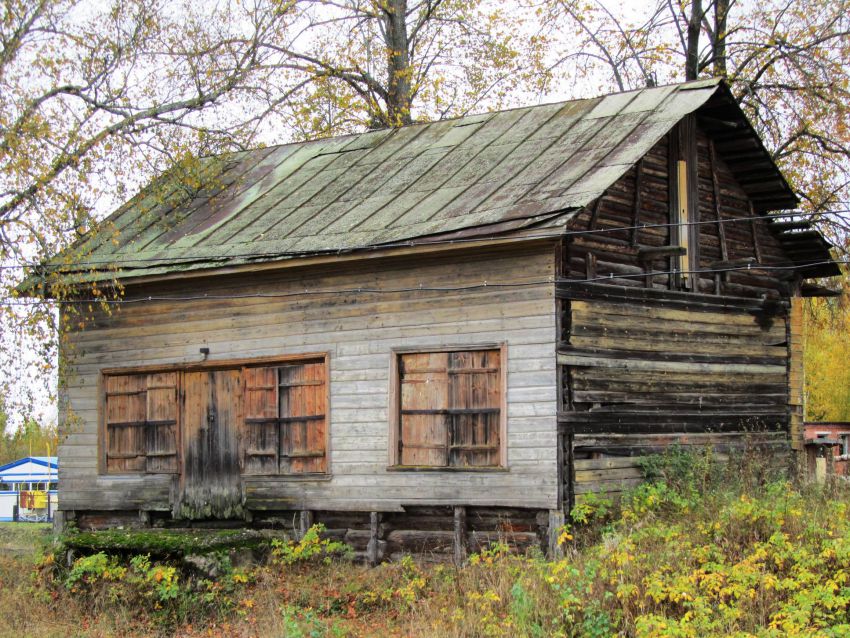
[{"x": 827, "y": 359}]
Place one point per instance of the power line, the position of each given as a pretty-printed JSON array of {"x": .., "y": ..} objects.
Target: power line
[
  {"x": 362, "y": 290},
  {"x": 124, "y": 262}
]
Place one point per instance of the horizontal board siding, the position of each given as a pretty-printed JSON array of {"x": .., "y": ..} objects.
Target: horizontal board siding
[
  {"x": 637, "y": 378},
  {"x": 359, "y": 332}
]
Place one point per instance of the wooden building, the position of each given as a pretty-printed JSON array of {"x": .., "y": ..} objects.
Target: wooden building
[
  {"x": 835, "y": 431},
  {"x": 455, "y": 327}
]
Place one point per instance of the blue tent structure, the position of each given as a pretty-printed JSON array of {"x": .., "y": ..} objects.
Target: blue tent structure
[{"x": 28, "y": 489}]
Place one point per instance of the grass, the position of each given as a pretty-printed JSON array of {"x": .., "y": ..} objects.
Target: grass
[
  {"x": 702, "y": 550},
  {"x": 25, "y": 538}
]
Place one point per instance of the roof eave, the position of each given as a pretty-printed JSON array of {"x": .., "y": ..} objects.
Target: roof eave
[{"x": 737, "y": 141}]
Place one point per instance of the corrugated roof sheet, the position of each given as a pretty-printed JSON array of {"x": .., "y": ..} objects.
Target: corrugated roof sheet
[{"x": 504, "y": 170}]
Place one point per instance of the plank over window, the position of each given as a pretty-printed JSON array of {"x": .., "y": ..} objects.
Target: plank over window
[
  {"x": 684, "y": 204},
  {"x": 450, "y": 409},
  {"x": 285, "y": 419},
  {"x": 141, "y": 423}
]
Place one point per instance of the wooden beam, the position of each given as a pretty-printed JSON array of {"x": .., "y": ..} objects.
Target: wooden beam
[
  {"x": 674, "y": 280},
  {"x": 198, "y": 366},
  {"x": 557, "y": 519},
  {"x": 692, "y": 229},
  {"x": 658, "y": 298},
  {"x": 637, "y": 202},
  {"x": 806, "y": 235},
  {"x": 754, "y": 229},
  {"x": 781, "y": 227},
  {"x": 654, "y": 252},
  {"x": 305, "y": 522},
  {"x": 594, "y": 216},
  {"x": 752, "y": 262},
  {"x": 459, "y": 542},
  {"x": 713, "y": 122},
  {"x": 590, "y": 265},
  {"x": 814, "y": 290},
  {"x": 719, "y": 278},
  {"x": 373, "y": 549}
]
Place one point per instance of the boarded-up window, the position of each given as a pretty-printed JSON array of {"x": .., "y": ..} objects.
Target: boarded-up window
[
  {"x": 141, "y": 423},
  {"x": 285, "y": 419},
  {"x": 450, "y": 411}
]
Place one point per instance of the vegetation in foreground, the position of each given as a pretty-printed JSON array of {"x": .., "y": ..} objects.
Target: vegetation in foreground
[{"x": 701, "y": 550}]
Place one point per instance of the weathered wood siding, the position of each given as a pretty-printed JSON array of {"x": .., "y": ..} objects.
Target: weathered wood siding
[
  {"x": 642, "y": 369},
  {"x": 642, "y": 363},
  {"x": 358, "y": 330},
  {"x": 795, "y": 373},
  {"x": 642, "y": 196}
]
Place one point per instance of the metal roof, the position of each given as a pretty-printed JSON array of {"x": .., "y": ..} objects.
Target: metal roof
[
  {"x": 494, "y": 173},
  {"x": 30, "y": 468}
]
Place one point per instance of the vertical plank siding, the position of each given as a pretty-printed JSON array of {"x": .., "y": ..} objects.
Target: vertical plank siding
[
  {"x": 209, "y": 483},
  {"x": 424, "y": 386},
  {"x": 261, "y": 433},
  {"x": 795, "y": 373},
  {"x": 358, "y": 331}
]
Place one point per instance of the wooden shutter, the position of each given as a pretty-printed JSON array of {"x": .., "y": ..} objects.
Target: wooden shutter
[
  {"x": 261, "y": 432},
  {"x": 302, "y": 409},
  {"x": 141, "y": 423},
  {"x": 424, "y": 432},
  {"x": 474, "y": 400},
  {"x": 285, "y": 419},
  {"x": 126, "y": 408},
  {"x": 450, "y": 408},
  {"x": 161, "y": 423}
]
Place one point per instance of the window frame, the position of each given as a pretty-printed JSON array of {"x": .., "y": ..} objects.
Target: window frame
[
  {"x": 202, "y": 366},
  {"x": 844, "y": 440},
  {"x": 394, "y": 407}
]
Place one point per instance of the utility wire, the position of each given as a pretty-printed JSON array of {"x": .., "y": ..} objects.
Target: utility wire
[
  {"x": 128, "y": 261},
  {"x": 361, "y": 290}
]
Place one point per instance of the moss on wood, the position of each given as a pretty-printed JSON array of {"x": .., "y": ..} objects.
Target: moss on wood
[{"x": 169, "y": 542}]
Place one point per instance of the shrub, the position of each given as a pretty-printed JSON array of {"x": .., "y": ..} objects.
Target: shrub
[{"x": 311, "y": 547}]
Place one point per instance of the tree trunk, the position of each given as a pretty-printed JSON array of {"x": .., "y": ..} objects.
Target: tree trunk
[
  {"x": 398, "y": 63},
  {"x": 721, "y": 13},
  {"x": 692, "y": 54}
]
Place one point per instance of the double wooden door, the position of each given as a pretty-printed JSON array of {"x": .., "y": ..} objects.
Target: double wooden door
[{"x": 210, "y": 484}]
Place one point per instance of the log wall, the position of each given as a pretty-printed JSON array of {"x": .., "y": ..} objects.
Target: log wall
[
  {"x": 642, "y": 196},
  {"x": 642, "y": 369},
  {"x": 643, "y": 363}
]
